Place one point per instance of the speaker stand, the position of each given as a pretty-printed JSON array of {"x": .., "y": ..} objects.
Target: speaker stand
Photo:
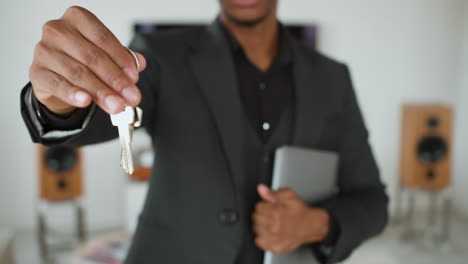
[
  {"x": 44, "y": 232},
  {"x": 438, "y": 215}
]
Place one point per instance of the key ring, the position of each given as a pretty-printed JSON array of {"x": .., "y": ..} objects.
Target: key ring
[{"x": 135, "y": 58}]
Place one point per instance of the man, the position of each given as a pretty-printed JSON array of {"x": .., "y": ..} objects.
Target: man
[{"x": 217, "y": 102}]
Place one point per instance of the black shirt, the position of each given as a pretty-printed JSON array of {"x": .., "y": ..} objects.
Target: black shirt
[{"x": 264, "y": 94}]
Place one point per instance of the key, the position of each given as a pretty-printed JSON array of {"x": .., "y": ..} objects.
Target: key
[
  {"x": 138, "y": 117},
  {"x": 125, "y": 122}
]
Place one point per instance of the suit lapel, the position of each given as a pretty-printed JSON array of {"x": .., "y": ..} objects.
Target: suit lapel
[
  {"x": 213, "y": 67},
  {"x": 311, "y": 97}
]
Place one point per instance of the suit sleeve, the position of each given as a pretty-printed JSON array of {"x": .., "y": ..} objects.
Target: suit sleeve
[
  {"x": 97, "y": 126},
  {"x": 360, "y": 208}
]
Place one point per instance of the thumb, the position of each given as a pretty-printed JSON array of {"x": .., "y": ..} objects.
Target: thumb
[{"x": 266, "y": 193}]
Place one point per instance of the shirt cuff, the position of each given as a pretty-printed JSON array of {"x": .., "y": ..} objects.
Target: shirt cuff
[{"x": 54, "y": 127}]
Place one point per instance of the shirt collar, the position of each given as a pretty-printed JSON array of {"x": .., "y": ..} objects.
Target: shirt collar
[{"x": 284, "y": 55}]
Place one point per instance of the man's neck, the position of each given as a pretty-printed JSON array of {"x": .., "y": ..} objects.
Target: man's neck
[{"x": 259, "y": 42}]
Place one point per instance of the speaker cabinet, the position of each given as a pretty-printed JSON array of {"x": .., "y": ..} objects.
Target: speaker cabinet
[
  {"x": 426, "y": 146},
  {"x": 60, "y": 173}
]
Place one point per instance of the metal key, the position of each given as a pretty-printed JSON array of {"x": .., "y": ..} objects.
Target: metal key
[{"x": 125, "y": 122}]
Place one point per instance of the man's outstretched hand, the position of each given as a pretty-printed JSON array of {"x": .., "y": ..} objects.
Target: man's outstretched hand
[
  {"x": 79, "y": 60},
  {"x": 282, "y": 221}
]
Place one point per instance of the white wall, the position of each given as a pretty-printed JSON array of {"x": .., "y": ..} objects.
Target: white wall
[
  {"x": 461, "y": 128},
  {"x": 398, "y": 51}
]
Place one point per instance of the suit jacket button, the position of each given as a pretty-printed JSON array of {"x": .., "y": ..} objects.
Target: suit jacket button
[{"x": 228, "y": 216}]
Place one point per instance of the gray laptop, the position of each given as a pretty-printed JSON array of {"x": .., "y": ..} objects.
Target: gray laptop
[{"x": 312, "y": 175}]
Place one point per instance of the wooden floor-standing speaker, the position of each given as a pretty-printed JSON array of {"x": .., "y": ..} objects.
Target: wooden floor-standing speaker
[
  {"x": 426, "y": 146},
  {"x": 60, "y": 173}
]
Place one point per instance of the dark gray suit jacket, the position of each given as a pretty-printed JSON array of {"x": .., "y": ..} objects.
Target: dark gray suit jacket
[{"x": 192, "y": 111}]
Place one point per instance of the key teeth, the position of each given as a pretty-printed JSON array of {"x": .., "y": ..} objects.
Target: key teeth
[
  {"x": 125, "y": 161},
  {"x": 123, "y": 164}
]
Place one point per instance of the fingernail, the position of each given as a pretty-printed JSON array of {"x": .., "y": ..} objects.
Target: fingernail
[
  {"x": 114, "y": 103},
  {"x": 131, "y": 73},
  {"x": 81, "y": 97},
  {"x": 131, "y": 94},
  {"x": 263, "y": 188}
]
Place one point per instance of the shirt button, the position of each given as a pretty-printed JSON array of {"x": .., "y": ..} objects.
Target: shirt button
[
  {"x": 266, "y": 126},
  {"x": 228, "y": 216},
  {"x": 262, "y": 86}
]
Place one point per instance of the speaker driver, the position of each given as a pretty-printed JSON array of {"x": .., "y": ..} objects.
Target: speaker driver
[
  {"x": 432, "y": 149},
  {"x": 60, "y": 159}
]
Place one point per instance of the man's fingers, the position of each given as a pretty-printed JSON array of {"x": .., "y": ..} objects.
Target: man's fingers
[
  {"x": 274, "y": 245},
  {"x": 80, "y": 76},
  {"x": 60, "y": 88},
  {"x": 262, "y": 224},
  {"x": 94, "y": 58},
  {"x": 285, "y": 194},
  {"x": 268, "y": 230},
  {"x": 261, "y": 218},
  {"x": 265, "y": 215},
  {"x": 97, "y": 33},
  {"x": 262, "y": 243},
  {"x": 82, "y": 51},
  {"x": 260, "y": 230},
  {"x": 275, "y": 196},
  {"x": 265, "y": 243},
  {"x": 265, "y": 208},
  {"x": 141, "y": 60},
  {"x": 266, "y": 193}
]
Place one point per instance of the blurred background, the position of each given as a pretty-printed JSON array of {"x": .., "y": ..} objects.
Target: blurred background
[{"x": 399, "y": 52}]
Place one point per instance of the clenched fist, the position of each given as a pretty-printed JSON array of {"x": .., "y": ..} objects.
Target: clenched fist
[
  {"x": 79, "y": 60},
  {"x": 282, "y": 222}
]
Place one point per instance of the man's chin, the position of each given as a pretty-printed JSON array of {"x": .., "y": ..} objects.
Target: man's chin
[{"x": 244, "y": 22}]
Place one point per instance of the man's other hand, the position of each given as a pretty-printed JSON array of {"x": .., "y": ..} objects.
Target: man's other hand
[{"x": 282, "y": 221}]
